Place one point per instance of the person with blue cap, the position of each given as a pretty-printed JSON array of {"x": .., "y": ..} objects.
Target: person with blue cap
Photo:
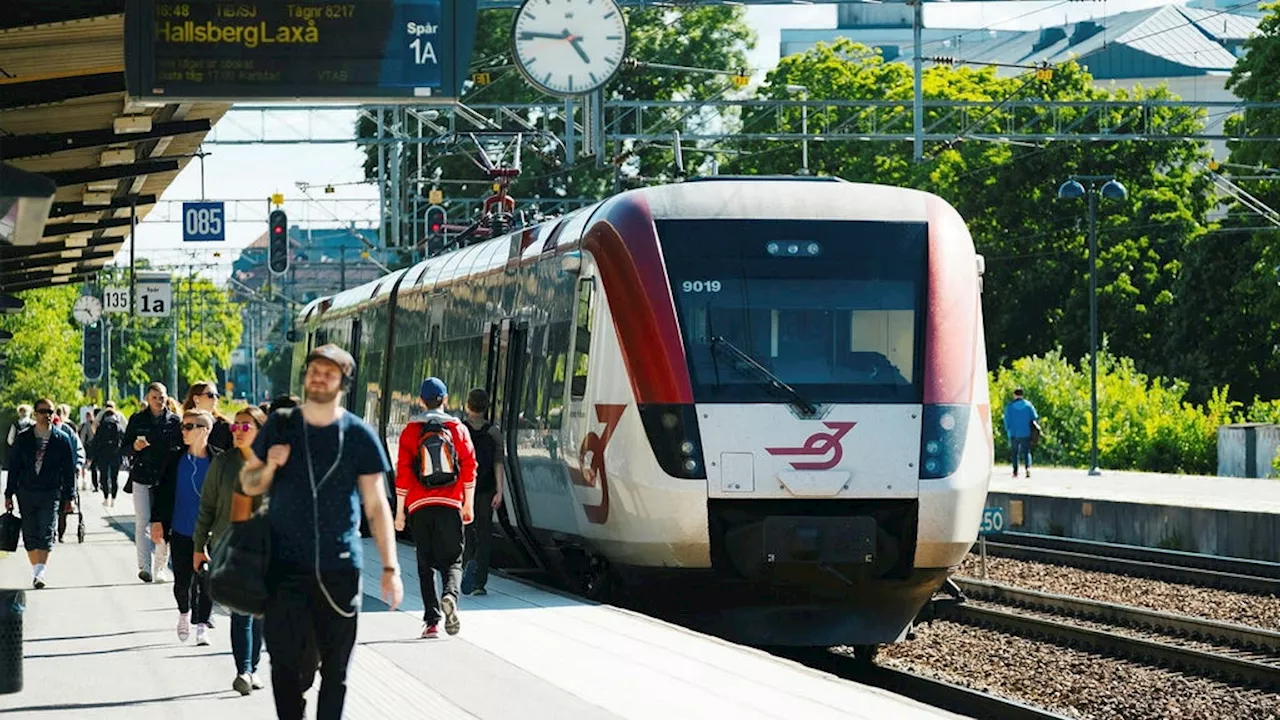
[{"x": 435, "y": 498}]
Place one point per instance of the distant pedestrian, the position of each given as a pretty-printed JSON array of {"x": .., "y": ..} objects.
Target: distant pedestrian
[
  {"x": 1020, "y": 418},
  {"x": 23, "y": 422},
  {"x": 435, "y": 498},
  {"x": 490, "y": 456},
  {"x": 319, "y": 464},
  {"x": 62, "y": 422},
  {"x": 42, "y": 476},
  {"x": 222, "y": 503},
  {"x": 105, "y": 452}
]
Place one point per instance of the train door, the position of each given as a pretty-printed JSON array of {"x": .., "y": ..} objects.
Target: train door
[
  {"x": 508, "y": 353},
  {"x": 355, "y": 393}
]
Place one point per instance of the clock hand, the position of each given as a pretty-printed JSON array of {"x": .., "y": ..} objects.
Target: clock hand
[
  {"x": 576, "y": 46},
  {"x": 530, "y": 35}
]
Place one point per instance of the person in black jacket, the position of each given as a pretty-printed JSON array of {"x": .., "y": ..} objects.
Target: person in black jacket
[
  {"x": 104, "y": 454},
  {"x": 150, "y": 437},
  {"x": 42, "y": 473}
]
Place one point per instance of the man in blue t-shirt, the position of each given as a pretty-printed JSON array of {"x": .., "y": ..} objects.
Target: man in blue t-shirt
[
  {"x": 1019, "y": 419},
  {"x": 318, "y": 464}
]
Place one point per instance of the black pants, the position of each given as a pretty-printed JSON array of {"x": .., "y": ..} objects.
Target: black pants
[
  {"x": 479, "y": 542},
  {"x": 190, "y": 589},
  {"x": 437, "y": 536},
  {"x": 303, "y": 632},
  {"x": 109, "y": 478}
]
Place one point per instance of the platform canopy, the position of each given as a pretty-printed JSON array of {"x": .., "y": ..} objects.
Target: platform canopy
[{"x": 64, "y": 117}]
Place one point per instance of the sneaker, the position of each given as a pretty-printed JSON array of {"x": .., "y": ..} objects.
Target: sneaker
[
  {"x": 38, "y": 581},
  {"x": 202, "y": 634},
  {"x": 479, "y": 591},
  {"x": 1027, "y": 474},
  {"x": 184, "y": 626},
  {"x": 243, "y": 684},
  {"x": 256, "y": 682},
  {"x": 1015, "y": 473},
  {"x": 431, "y": 631},
  {"x": 144, "y": 576},
  {"x": 164, "y": 575},
  {"x": 449, "y": 605}
]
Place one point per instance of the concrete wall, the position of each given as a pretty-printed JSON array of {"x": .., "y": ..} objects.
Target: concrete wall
[
  {"x": 1247, "y": 449},
  {"x": 1216, "y": 532}
]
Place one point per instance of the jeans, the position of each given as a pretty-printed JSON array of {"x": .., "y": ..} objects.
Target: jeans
[
  {"x": 303, "y": 633},
  {"x": 109, "y": 479},
  {"x": 1021, "y": 448},
  {"x": 190, "y": 589},
  {"x": 438, "y": 539},
  {"x": 246, "y": 642},
  {"x": 142, "y": 532},
  {"x": 475, "y": 571}
]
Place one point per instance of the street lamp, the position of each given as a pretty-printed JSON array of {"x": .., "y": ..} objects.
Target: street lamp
[
  {"x": 803, "y": 92},
  {"x": 1111, "y": 189}
]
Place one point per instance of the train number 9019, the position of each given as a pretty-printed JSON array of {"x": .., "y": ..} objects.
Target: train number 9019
[{"x": 700, "y": 286}]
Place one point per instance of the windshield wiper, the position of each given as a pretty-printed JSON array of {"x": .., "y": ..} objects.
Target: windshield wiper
[{"x": 774, "y": 381}]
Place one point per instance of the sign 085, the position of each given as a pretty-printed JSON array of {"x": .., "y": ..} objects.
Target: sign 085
[{"x": 203, "y": 222}]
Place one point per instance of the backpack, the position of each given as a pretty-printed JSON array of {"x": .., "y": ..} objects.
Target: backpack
[{"x": 437, "y": 463}]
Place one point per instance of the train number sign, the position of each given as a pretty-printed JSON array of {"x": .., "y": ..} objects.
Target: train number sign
[{"x": 992, "y": 521}]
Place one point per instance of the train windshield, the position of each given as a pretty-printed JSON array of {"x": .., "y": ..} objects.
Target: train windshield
[{"x": 799, "y": 311}]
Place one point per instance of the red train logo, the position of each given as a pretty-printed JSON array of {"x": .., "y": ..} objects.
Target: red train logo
[{"x": 819, "y": 444}]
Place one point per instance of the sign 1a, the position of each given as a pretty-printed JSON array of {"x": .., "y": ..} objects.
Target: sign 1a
[{"x": 154, "y": 298}]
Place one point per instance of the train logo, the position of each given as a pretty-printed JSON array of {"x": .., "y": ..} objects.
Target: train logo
[
  {"x": 819, "y": 443},
  {"x": 591, "y": 461}
]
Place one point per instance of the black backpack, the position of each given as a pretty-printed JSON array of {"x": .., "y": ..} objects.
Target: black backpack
[{"x": 437, "y": 463}]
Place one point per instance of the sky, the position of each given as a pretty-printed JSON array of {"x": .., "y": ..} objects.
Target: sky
[{"x": 251, "y": 173}]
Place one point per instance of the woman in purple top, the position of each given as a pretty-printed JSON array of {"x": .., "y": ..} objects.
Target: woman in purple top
[{"x": 175, "y": 504}]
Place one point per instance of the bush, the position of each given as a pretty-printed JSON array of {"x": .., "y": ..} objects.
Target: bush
[{"x": 1143, "y": 423}]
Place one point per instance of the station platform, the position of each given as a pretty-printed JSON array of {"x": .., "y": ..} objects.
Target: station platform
[
  {"x": 1236, "y": 517},
  {"x": 100, "y": 643}
]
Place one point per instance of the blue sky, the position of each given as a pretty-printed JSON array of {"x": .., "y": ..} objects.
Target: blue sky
[{"x": 256, "y": 171}]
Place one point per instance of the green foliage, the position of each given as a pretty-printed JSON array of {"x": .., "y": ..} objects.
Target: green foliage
[
  {"x": 1144, "y": 423},
  {"x": 44, "y": 355}
]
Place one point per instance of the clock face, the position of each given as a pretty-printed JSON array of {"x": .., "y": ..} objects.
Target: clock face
[
  {"x": 569, "y": 47},
  {"x": 87, "y": 310}
]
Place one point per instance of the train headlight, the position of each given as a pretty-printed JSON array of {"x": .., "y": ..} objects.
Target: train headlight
[
  {"x": 690, "y": 465},
  {"x": 672, "y": 430},
  {"x": 772, "y": 248},
  {"x": 943, "y": 430},
  {"x": 947, "y": 422},
  {"x": 931, "y": 466},
  {"x": 686, "y": 447},
  {"x": 813, "y": 248},
  {"x": 931, "y": 447}
]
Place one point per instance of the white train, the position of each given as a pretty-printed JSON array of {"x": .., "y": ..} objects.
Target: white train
[{"x": 764, "y": 400}]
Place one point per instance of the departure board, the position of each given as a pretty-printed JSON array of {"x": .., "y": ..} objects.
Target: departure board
[{"x": 364, "y": 50}]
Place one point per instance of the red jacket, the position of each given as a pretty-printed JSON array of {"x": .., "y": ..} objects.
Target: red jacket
[{"x": 407, "y": 485}]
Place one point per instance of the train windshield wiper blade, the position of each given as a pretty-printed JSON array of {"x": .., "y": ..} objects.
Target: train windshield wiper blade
[{"x": 774, "y": 381}]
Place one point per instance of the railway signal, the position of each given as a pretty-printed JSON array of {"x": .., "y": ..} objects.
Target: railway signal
[
  {"x": 93, "y": 351},
  {"x": 437, "y": 219},
  {"x": 278, "y": 242}
]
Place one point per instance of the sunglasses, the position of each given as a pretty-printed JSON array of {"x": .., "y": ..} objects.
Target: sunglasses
[
  {"x": 242, "y": 427},
  {"x": 211, "y": 394},
  {"x": 44, "y": 411},
  {"x": 193, "y": 426}
]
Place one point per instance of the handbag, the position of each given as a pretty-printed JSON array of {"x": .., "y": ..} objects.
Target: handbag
[
  {"x": 239, "y": 563},
  {"x": 10, "y": 529}
]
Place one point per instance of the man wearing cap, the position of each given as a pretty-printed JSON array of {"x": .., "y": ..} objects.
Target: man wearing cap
[
  {"x": 318, "y": 464},
  {"x": 435, "y": 487}
]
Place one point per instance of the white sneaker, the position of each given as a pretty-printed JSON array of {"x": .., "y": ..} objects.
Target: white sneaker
[
  {"x": 184, "y": 626},
  {"x": 243, "y": 684},
  {"x": 37, "y": 580},
  {"x": 163, "y": 575},
  {"x": 202, "y": 634},
  {"x": 256, "y": 682}
]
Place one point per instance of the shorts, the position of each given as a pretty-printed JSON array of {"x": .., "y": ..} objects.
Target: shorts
[{"x": 39, "y": 518}]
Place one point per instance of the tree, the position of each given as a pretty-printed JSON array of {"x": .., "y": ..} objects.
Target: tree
[
  {"x": 1036, "y": 291},
  {"x": 44, "y": 355},
  {"x": 712, "y": 37}
]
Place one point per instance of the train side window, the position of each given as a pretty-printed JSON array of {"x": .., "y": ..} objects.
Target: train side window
[{"x": 582, "y": 339}]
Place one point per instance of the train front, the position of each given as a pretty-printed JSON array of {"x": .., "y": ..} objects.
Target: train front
[{"x": 833, "y": 339}]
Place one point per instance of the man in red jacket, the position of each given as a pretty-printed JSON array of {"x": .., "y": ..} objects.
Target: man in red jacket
[{"x": 435, "y": 488}]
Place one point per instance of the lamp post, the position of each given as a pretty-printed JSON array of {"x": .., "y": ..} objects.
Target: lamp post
[
  {"x": 803, "y": 92},
  {"x": 1076, "y": 187}
]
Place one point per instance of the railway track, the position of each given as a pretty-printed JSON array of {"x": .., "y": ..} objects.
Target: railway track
[
  {"x": 1251, "y": 576},
  {"x": 930, "y": 691},
  {"x": 1217, "y": 650}
]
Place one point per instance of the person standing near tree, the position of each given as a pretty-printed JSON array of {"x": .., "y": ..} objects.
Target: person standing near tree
[{"x": 1020, "y": 418}]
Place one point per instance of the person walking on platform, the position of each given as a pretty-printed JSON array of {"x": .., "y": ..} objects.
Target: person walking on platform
[
  {"x": 204, "y": 396},
  {"x": 175, "y": 502},
  {"x": 104, "y": 454},
  {"x": 1019, "y": 422},
  {"x": 222, "y": 503},
  {"x": 152, "y": 434},
  {"x": 42, "y": 476},
  {"x": 487, "y": 438},
  {"x": 62, "y": 422},
  {"x": 23, "y": 422},
  {"x": 318, "y": 464},
  {"x": 87, "y": 429},
  {"x": 435, "y": 488}
]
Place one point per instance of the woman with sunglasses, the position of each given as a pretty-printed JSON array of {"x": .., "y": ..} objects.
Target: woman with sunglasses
[
  {"x": 174, "y": 506},
  {"x": 221, "y": 502},
  {"x": 204, "y": 396}
]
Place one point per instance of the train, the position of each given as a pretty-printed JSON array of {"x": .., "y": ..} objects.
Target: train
[{"x": 763, "y": 400}]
